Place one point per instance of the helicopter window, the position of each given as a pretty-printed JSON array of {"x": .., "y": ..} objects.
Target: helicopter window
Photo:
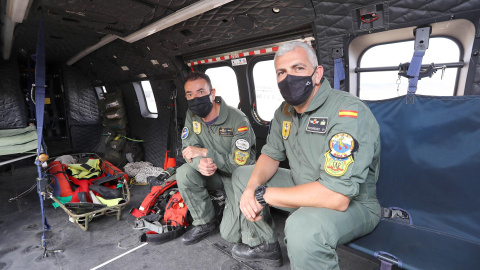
[
  {"x": 146, "y": 99},
  {"x": 225, "y": 83},
  {"x": 266, "y": 89},
  {"x": 378, "y": 85}
]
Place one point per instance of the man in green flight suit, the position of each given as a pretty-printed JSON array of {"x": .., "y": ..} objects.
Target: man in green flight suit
[
  {"x": 216, "y": 140},
  {"x": 332, "y": 143}
]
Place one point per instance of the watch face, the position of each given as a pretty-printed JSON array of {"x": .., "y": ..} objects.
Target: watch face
[{"x": 260, "y": 190}]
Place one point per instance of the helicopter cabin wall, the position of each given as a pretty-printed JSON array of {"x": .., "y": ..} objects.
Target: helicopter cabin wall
[
  {"x": 154, "y": 131},
  {"x": 337, "y": 25}
]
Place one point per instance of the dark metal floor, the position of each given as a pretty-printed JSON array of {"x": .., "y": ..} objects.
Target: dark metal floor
[{"x": 109, "y": 244}]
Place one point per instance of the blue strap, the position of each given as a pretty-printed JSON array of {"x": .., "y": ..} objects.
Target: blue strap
[
  {"x": 40, "y": 105},
  {"x": 40, "y": 89},
  {"x": 413, "y": 72},
  {"x": 339, "y": 74},
  {"x": 31, "y": 106}
]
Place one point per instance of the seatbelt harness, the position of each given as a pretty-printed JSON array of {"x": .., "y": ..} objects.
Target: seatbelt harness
[
  {"x": 339, "y": 75},
  {"x": 422, "y": 35}
]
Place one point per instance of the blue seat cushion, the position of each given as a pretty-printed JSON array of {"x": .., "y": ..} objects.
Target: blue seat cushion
[{"x": 420, "y": 248}]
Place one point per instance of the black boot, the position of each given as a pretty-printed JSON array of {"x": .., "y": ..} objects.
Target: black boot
[
  {"x": 270, "y": 254},
  {"x": 199, "y": 232}
]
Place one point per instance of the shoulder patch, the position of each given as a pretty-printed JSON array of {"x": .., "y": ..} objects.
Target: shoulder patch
[
  {"x": 185, "y": 133},
  {"x": 336, "y": 166},
  {"x": 341, "y": 145},
  {"x": 242, "y": 144},
  {"x": 241, "y": 157}
]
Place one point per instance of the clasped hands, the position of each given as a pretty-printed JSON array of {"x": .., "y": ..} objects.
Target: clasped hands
[{"x": 206, "y": 166}]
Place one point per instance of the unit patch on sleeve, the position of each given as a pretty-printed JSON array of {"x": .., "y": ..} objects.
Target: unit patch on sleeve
[
  {"x": 225, "y": 131},
  {"x": 242, "y": 144},
  {"x": 287, "y": 126},
  {"x": 197, "y": 127},
  {"x": 241, "y": 157},
  {"x": 184, "y": 133},
  {"x": 317, "y": 124},
  {"x": 346, "y": 113},
  {"x": 336, "y": 166},
  {"x": 341, "y": 145},
  {"x": 242, "y": 129}
]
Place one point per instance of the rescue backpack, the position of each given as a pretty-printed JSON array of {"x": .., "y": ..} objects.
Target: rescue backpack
[{"x": 163, "y": 212}]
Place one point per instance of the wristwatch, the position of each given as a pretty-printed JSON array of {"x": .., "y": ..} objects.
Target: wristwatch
[{"x": 259, "y": 192}]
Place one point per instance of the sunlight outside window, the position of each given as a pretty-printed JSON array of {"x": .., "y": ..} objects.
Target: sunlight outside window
[
  {"x": 266, "y": 89},
  {"x": 383, "y": 84},
  {"x": 224, "y": 81},
  {"x": 149, "y": 98}
]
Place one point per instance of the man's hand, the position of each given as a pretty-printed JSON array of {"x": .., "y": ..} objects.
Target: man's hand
[
  {"x": 207, "y": 167},
  {"x": 193, "y": 152},
  {"x": 249, "y": 205}
]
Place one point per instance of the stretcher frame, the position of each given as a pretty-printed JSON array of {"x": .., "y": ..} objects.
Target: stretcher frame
[{"x": 87, "y": 217}]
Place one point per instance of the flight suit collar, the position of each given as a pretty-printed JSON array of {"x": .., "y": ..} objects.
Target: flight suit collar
[
  {"x": 222, "y": 116},
  {"x": 319, "y": 97}
]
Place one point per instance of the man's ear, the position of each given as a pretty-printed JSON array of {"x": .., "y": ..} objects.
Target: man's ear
[
  {"x": 319, "y": 75},
  {"x": 213, "y": 92}
]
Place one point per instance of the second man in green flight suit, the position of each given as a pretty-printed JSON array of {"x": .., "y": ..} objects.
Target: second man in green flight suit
[{"x": 216, "y": 140}]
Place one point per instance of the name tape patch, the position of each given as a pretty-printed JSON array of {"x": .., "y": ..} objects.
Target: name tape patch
[
  {"x": 225, "y": 131},
  {"x": 317, "y": 124}
]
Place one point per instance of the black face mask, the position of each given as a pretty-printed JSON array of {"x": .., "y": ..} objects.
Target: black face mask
[
  {"x": 200, "y": 106},
  {"x": 296, "y": 89}
]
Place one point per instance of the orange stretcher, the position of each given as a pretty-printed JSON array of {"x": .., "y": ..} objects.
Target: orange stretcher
[{"x": 82, "y": 214}]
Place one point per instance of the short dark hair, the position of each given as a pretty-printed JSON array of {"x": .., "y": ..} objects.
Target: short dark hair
[{"x": 198, "y": 75}]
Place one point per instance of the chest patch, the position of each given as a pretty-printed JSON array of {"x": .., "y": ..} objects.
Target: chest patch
[
  {"x": 317, "y": 125},
  {"x": 225, "y": 131},
  {"x": 197, "y": 127},
  {"x": 287, "y": 126}
]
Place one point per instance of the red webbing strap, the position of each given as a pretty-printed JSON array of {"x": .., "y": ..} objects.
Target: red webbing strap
[{"x": 151, "y": 198}]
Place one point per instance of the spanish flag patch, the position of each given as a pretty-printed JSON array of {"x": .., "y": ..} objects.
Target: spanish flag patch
[
  {"x": 345, "y": 113},
  {"x": 242, "y": 129}
]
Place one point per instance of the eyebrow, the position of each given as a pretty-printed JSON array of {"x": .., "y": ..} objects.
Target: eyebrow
[
  {"x": 199, "y": 89},
  {"x": 293, "y": 66}
]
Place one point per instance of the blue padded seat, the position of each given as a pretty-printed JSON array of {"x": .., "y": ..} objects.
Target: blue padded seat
[{"x": 430, "y": 167}]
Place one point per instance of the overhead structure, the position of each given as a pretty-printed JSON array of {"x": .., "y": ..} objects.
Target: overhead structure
[
  {"x": 16, "y": 12},
  {"x": 168, "y": 21}
]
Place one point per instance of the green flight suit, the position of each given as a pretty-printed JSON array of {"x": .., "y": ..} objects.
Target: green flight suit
[
  {"x": 231, "y": 143},
  {"x": 312, "y": 234}
]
